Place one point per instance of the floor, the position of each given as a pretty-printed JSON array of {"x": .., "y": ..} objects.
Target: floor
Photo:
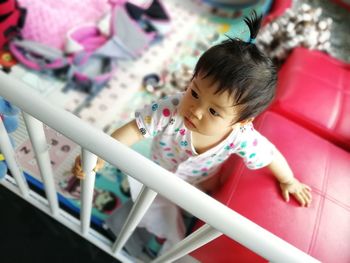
[{"x": 22, "y": 238}]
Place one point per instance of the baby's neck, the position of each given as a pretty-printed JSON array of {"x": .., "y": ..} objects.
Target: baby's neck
[{"x": 203, "y": 143}]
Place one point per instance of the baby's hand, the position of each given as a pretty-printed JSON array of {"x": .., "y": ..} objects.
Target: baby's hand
[
  {"x": 77, "y": 170},
  {"x": 300, "y": 191}
]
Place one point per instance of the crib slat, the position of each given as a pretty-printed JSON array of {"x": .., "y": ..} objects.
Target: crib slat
[
  {"x": 202, "y": 236},
  {"x": 87, "y": 189},
  {"x": 9, "y": 153},
  {"x": 142, "y": 203},
  {"x": 40, "y": 147}
]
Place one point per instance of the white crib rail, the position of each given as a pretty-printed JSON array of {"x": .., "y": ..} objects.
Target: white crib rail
[
  {"x": 7, "y": 150},
  {"x": 142, "y": 203},
  {"x": 88, "y": 162},
  {"x": 197, "y": 239},
  {"x": 218, "y": 217},
  {"x": 40, "y": 146}
]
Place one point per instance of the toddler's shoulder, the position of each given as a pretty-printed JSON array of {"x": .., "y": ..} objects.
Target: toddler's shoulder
[
  {"x": 172, "y": 101},
  {"x": 247, "y": 134},
  {"x": 167, "y": 106}
]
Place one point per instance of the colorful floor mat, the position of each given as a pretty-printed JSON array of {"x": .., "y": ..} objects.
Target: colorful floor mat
[{"x": 111, "y": 187}]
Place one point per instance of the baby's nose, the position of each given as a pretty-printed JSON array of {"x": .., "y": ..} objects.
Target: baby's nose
[{"x": 197, "y": 112}]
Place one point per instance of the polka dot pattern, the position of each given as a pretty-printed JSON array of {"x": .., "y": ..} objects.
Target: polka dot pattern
[{"x": 172, "y": 143}]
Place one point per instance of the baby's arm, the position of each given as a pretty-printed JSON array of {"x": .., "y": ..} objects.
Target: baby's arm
[
  {"x": 288, "y": 183},
  {"x": 127, "y": 134}
]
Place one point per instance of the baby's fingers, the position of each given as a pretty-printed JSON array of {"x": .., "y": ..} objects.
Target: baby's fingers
[
  {"x": 99, "y": 166},
  {"x": 300, "y": 198},
  {"x": 307, "y": 187},
  {"x": 307, "y": 195},
  {"x": 77, "y": 172},
  {"x": 77, "y": 162},
  {"x": 285, "y": 195},
  {"x": 303, "y": 197},
  {"x": 80, "y": 174}
]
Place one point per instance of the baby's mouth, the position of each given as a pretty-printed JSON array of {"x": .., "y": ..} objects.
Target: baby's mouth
[{"x": 187, "y": 120}]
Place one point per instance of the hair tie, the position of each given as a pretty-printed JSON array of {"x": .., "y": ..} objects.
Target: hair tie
[{"x": 251, "y": 40}]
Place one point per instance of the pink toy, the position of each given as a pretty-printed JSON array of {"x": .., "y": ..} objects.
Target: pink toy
[
  {"x": 11, "y": 20},
  {"x": 84, "y": 38},
  {"x": 45, "y": 23},
  {"x": 37, "y": 56}
]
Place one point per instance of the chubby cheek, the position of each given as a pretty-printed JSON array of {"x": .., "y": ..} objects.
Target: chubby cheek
[
  {"x": 208, "y": 127},
  {"x": 183, "y": 107},
  {"x": 181, "y": 111},
  {"x": 214, "y": 127}
]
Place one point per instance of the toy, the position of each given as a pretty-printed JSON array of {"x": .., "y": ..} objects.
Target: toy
[
  {"x": 12, "y": 19},
  {"x": 299, "y": 26},
  {"x": 7, "y": 61},
  {"x": 9, "y": 116}
]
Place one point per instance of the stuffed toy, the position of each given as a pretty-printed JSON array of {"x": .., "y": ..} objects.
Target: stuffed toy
[{"x": 9, "y": 117}]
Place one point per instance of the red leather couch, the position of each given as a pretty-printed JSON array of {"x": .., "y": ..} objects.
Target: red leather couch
[
  {"x": 309, "y": 123},
  {"x": 323, "y": 229},
  {"x": 344, "y": 3},
  {"x": 278, "y": 7},
  {"x": 314, "y": 91}
]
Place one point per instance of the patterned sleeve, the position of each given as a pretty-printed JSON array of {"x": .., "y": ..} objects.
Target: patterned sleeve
[
  {"x": 155, "y": 117},
  {"x": 255, "y": 150}
]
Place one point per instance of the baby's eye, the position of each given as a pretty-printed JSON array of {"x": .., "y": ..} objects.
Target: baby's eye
[
  {"x": 213, "y": 112},
  {"x": 194, "y": 94}
]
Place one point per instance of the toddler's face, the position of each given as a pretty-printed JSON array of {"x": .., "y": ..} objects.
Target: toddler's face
[{"x": 204, "y": 111}]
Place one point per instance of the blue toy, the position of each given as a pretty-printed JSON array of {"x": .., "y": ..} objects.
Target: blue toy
[{"x": 9, "y": 116}]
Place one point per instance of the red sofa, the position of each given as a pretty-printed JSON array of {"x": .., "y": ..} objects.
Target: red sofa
[
  {"x": 278, "y": 7},
  {"x": 344, "y": 3},
  {"x": 314, "y": 91},
  {"x": 310, "y": 124}
]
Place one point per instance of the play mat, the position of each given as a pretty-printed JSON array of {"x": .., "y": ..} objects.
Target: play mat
[{"x": 194, "y": 27}]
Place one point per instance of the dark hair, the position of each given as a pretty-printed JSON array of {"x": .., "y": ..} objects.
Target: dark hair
[{"x": 242, "y": 69}]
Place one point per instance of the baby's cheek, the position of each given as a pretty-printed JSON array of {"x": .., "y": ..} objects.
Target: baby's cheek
[
  {"x": 181, "y": 110},
  {"x": 209, "y": 127}
]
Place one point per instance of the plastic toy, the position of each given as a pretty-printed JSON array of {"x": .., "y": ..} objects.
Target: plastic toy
[
  {"x": 12, "y": 20},
  {"x": 7, "y": 61},
  {"x": 9, "y": 116}
]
